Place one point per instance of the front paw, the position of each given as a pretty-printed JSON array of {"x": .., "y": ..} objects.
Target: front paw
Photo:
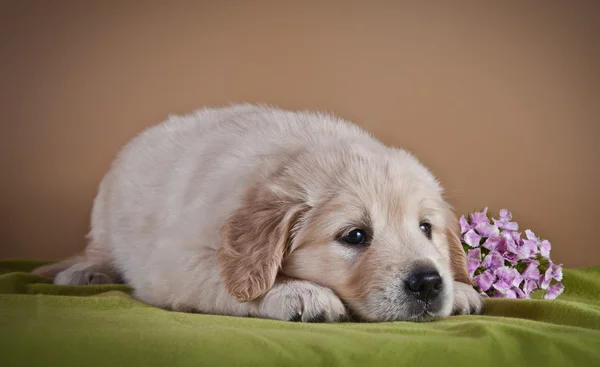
[
  {"x": 302, "y": 301},
  {"x": 466, "y": 300}
]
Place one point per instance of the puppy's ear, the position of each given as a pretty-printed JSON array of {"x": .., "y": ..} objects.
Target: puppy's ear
[
  {"x": 458, "y": 258},
  {"x": 254, "y": 241}
]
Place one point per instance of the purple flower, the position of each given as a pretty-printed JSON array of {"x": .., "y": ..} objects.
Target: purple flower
[
  {"x": 495, "y": 243},
  {"x": 502, "y": 287},
  {"x": 553, "y": 272},
  {"x": 505, "y": 215},
  {"x": 527, "y": 249},
  {"x": 513, "y": 240},
  {"x": 529, "y": 286},
  {"x": 520, "y": 293},
  {"x": 479, "y": 217},
  {"x": 502, "y": 252},
  {"x": 505, "y": 221},
  {"x": 473, "y": 260},
  {"x": 531, "y": 236},
  {"x": 554, "y": 291},
  {"x": 532, "y": 240},
  {"x": 510, "y": 293},
  {"x": 511, "y": 244},
  {"x": 532, "y": 272},
  {"x": 472, "y": 238},
  {"x": 508, "y": 282},
  {"x": 487, "y": 230},
  {"x": 493, "y": 260},
  {"x": 506, "y": 291},
  {"x": 545, "y": 279},
  {"x": 511, "y": 226},
  {"x": 485, "y": 280},
  {"x": 464, "y": 225},
  {"x": 557, "y": 272},
  {"x": 509, "y": 275},
  {"x": 512, "y": 259},
  {"x": 545, "y": 247}
]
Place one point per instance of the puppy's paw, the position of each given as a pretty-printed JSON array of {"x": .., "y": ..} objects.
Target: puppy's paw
[
  {"x": 85, "y": 274},
  {"x": 302, "y": 301},
  {"x": 466, "y": 300}
]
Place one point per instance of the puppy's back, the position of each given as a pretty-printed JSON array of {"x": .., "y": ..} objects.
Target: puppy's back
[{"x": 172, "y": 187}]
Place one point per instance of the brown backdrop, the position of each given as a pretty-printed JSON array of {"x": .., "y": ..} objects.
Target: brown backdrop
[{"x": 501, "y": 101}]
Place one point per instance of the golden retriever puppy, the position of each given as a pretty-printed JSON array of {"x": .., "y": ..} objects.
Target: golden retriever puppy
[{"x": 261, "y": 212}]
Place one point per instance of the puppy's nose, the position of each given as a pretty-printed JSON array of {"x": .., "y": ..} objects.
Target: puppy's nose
[{"x": 425, "y": 285}]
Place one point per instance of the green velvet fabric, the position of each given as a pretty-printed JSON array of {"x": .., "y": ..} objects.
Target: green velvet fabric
[{"x": 46, "y": 325}]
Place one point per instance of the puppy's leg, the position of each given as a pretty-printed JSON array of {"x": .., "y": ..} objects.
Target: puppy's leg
[
  {"x": 51, "y": 270},
  {"x": 299, "y": 300},
  {"x": 87, "y": 273},
  {"x": 91, "y": 267},
  {"x": 466, "y": 300}
]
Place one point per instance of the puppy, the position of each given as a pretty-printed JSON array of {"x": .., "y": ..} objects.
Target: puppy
[{"x": 261, "y": 212}]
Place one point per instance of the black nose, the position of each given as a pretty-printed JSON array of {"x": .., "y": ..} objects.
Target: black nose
[{"x": 425, "y": 285}]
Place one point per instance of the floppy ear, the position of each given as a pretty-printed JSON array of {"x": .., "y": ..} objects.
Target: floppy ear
[
  {"x": 458, "y": 258},
  {"x": 254, "y": 241}
]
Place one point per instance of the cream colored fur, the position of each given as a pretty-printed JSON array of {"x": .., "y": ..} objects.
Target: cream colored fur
[{"x": 235, "y": 211}]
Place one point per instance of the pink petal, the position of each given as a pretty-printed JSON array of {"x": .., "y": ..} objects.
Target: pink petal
[
  {"x": 502, "y": 286},
  {"x": 505, "y": 215},
  {"x": 509, "y": 275},
  {"x": 546, "y": 278},
  {"x": 529, "y": 286},
  {"x": 520, "y": 293},
  {"x": 485, "y": 280},
  {"x": 527, "y": 249},
  {"x": 505, "y": 274},
  {"x": 472, "y": 238},
  {"x": 472, "y": 266},
  {"x": 505, "y": 221},
  {"x": 464, "y": 225},
  {"x": 516, "y": 237},
  {"x": 474, "y": 254},
  {"x": 493, "y": 260},
  {"x": 494, "y": 243},
  {"x": 479, "y": 217},
  {"x": 530, "y": 235},
  {"x": 545, "y": 247},
  {"x": 557, "y": 272},
  {"x": 554, "y": 291},
  {"x": 510, "y": 294},
  {"x": 517, "y": 280},
  {"x": 473, "y": 260},
  {"x": 532, "y": 271},
  {"x": 510, "y": 226},
  {"x": 487, "y": 230},
  {"x": 512, "y": 259},
  {"x": 511, "y": 245}
]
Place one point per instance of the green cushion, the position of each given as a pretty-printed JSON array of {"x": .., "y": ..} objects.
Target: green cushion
[{"x": 46, "y": 325}]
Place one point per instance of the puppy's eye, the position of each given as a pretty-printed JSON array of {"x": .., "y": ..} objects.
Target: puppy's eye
[
  {"x": 355, "y": 237},
  {"x": 425, "y": 227}
]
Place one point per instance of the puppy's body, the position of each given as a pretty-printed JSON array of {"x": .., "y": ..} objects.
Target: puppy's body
[{"x": 239, "y": 211}]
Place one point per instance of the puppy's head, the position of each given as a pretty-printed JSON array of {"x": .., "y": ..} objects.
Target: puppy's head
[{"x": 370, "y": 225}]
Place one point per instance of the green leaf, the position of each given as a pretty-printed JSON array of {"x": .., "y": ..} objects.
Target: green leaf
[
  {"x": 521, "y": 266},
  {"x": 543, "y": 261},
  {"x": 537, "y": 294}
]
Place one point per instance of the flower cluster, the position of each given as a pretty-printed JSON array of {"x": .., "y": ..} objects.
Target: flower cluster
[{"x": 503, "y": 264}]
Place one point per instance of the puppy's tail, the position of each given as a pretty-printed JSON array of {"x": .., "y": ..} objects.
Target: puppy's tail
[{"x": 51, "y": 270}]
